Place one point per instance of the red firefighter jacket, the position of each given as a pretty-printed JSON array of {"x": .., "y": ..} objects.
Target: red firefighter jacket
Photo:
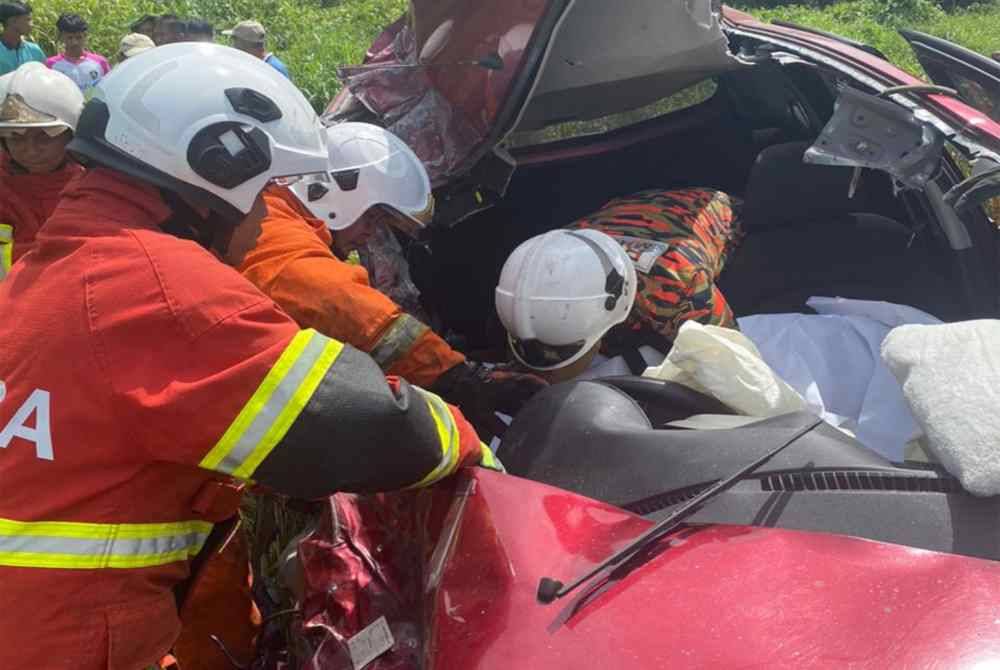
[
  {"x": 138, "y": 376},
  {"x": 26, "y": 201}
]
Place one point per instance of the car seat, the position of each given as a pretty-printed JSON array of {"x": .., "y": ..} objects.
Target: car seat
[{"x": 806, "y": 237}]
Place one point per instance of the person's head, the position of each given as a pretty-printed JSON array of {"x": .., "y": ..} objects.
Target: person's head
[
  {"x": 144, "y": 25},
  {"x": 132, "y": 45},
  {"x": 39, "y": 110},
  {"x": 249, "y": 36},
  {"x": 373, "y": 176},
  {"x": 72, "y": 30},
  {"x": 210, "y": 143},
  {"x": 200, "y": 30},
  {"x": 169, "y": 29},
  {"x": 15, "y": 17},
  {"x": 558, "y": 296}
]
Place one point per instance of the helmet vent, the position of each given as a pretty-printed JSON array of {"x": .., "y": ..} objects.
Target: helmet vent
[
  {"x": 316, "y": 191},
  {"x": 347, "y": 180},
  {"x": 254, "y": 104},
  {"x": 615, "y": 286}
]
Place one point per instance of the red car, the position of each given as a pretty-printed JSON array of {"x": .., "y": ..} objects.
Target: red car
[{"x": 531, "y": 113}]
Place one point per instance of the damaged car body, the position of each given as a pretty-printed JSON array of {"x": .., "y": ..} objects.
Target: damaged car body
[{"x": 528, "y": 115}]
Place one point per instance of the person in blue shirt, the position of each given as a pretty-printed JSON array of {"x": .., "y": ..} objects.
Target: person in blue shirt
[
  {"x": 250, "y": 36},
  {"x": 15, "y": 17}
]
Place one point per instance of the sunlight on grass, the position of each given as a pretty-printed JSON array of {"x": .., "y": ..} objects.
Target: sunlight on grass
[{"x": 315, "y": 36}]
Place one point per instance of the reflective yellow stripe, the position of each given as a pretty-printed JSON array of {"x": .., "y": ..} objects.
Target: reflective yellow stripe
[
  {"x": 447, "y": 435},
  {"x": 489, "y": 459},
  {"x": 274, "y": 407},
  {"x": 74, "y": 545},
  {"x": 74, "y": 562},
  {"x": 6, "y": 248}
]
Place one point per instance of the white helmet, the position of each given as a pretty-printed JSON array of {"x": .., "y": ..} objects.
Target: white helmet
[
  {"x": 33, "y": 96},
  {"x": 561, "y": 292},
  {"x": 206, "y": 121},
  {"x": 369, "y": 166}
]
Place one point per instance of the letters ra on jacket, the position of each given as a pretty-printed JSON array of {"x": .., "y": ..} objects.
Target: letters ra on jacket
[{"x": 30, "y": 422}]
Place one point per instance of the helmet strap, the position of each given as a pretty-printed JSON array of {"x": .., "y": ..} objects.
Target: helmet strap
[{"x": 213, "y": 232}]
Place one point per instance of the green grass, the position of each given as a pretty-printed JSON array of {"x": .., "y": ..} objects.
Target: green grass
[
  {"x": 977, "y": 28},
  {"x": 314, "y": 36}
]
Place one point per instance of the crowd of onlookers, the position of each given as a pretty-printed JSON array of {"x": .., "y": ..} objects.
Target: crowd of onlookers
[{"x": 86, "y": 68}]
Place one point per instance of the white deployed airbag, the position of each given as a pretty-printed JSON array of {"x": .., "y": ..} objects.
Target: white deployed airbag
[{"x": 950, "y": 376}]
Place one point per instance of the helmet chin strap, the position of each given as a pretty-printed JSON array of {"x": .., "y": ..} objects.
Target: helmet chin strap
[{"x": 212, "y": 231}]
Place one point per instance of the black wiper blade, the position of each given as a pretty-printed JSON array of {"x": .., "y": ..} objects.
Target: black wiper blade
[{"x": 550, "y": 589}]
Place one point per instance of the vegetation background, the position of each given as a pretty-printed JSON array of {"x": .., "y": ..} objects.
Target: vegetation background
[{"x": 314, "y": 36}]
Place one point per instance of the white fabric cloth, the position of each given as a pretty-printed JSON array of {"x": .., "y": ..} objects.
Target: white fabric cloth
[
  {"x": 833, "y": 360},
  {"x": 950, "y": 374}
]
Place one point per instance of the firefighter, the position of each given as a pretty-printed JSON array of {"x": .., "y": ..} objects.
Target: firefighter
[
  {"x": 39, "y": 109},
  {"x": 655, "y": 255},
  {"x": 143, "y": 377},
  {"x": 372, "y": 174}
]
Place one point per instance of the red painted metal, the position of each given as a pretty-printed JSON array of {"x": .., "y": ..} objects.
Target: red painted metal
[
  {"x": 446, "y": 113},
  {"x": 446, "y": 109},
  {"x": 716, "y": 596}
]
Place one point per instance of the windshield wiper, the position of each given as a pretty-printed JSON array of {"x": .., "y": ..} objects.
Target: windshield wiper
[{"x": 550, "y": 589}]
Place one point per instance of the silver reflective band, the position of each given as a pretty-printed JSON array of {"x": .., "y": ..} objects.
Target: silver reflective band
[
  {"x": 268, "y": 414},
  {"x": 274, "y": 407},
  {"x": 397, "y": 341},
  {"x": 88, "y": 546}
]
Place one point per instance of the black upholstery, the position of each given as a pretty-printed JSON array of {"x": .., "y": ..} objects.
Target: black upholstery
[
  {"x": 782, "y": 190},
  {"x": 806, "y": 237},
  {"x": 863, "y": 256}
]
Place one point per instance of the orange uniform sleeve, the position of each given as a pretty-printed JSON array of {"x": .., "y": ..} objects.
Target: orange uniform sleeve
[{"x": 294, "y": 266}]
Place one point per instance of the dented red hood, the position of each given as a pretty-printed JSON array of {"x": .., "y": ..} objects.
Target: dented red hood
[{"x": 712, "y": 596}]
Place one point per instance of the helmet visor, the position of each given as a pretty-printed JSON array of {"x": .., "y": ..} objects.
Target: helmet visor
[
  {"x": 540, "y": 356},
  {"x": 411, "y": 224}
]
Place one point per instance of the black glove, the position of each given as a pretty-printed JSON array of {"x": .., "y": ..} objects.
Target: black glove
[{"x": 481, "y": 391}]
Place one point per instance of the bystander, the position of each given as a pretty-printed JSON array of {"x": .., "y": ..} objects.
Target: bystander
[
  {"x": 15, "y": 19},
  {"x": 84, "y": 67},
  {"x": 251, "y": 37}
]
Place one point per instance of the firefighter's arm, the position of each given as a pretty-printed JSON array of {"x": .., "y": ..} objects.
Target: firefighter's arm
[
  {"x": 319, "y": 292},
  {"x": 295, "y": 267},
  {"x": 325, "y": 419}
]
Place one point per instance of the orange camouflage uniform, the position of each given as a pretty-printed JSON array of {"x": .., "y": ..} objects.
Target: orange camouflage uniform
[{"x": 698, "y": 230}]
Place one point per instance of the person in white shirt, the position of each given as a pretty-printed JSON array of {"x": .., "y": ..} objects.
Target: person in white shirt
[{"x": 85, "y": 68}]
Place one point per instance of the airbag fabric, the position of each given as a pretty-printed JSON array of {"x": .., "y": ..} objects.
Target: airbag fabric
[
  {"x": 951, "y": 378},
  {"x": 725, "y": 364}
]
